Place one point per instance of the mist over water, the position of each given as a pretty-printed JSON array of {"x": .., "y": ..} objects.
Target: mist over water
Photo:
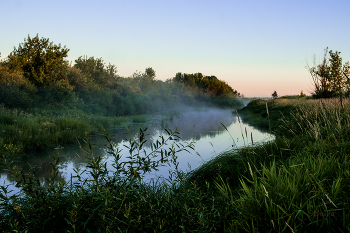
[{"x": 203, "y": 127}]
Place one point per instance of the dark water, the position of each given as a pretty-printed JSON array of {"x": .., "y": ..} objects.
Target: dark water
[{"x": 203, "y": 127}]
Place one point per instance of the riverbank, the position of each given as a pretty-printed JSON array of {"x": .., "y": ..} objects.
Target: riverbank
[
  {"x": 298, "y": 183},
  {"x": 28, "y": 132},
  {"x": 256, "y": 112}
]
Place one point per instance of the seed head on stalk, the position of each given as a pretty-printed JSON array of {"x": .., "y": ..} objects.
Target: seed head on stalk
[{"x": 229, "y": 134}]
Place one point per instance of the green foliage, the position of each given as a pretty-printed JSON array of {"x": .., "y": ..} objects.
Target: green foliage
[
  {"x": 15, "y": 90},
  {"x": 14, "y": 96},
  {"x": 328, "y": 77},
  {"x": 42, "y": 62},
  {"x": 147, "y": 79},
  {"x": 59, "y": 95},
  {"x": 99, "y": 202},
  {"x": 302, "y": 95},
  {"x": 38, "y": 71},
  {"x": 209, "y": 85},
  {"x": 33, "y": 131},
  {"x": 77, "y": 79},
  {"x": 13, "y": 78},
  {"x": 95, "y": 71}
]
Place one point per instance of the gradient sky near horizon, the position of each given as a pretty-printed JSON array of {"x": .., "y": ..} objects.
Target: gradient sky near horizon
[{"x": 257, "y": 47}]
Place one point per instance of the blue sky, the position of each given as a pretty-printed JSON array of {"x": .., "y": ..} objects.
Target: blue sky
[{"x": 255, "y": 46}]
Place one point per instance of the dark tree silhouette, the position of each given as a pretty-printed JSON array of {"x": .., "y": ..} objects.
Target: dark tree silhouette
[{"x": 274, "y": 94}]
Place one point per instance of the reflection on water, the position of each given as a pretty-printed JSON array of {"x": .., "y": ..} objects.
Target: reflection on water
[{"x": 202, "y": 127}]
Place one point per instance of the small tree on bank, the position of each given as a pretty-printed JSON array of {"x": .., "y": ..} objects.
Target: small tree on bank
[
  {"x": 302, "y": 95},
  {"x": 274, "y": 95},
  {"x": 329, "y": 77}
]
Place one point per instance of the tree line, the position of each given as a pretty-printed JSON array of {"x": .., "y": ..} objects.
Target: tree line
[{"x": 38, "y": 74}]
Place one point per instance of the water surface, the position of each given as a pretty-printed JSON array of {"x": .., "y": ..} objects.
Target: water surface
[{"x": 204, "y": 128}]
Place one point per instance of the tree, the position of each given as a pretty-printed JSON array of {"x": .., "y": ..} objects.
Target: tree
[
  {"x": 336, "y": 77},
  {"x": 329, "y": 77},
  {"x": 150, "y": 73},
  {"x": 42, "y": 62},
  {"x": 302, "y": 94},
  {"x": 96, "y": 71},
  {"x": 240, "y": 95},
  {"x": 147, "y": 79},
  {"x": 199, "y": 84},
  {"x": 274, "y": 94}
]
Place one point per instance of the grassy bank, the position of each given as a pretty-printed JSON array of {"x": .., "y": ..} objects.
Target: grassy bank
[
  {"x": 27, "y": 132},
  {"x": 255, "y": 113},
  {"x": 297, "y": 183}
]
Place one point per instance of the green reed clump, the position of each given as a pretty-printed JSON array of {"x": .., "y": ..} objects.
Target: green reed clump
[
  {"x": 32, "y": 131},
  {"x": 306, "y": 193}
]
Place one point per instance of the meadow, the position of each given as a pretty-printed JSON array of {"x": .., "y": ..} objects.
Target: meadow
[{"x": 297, "y": 183}]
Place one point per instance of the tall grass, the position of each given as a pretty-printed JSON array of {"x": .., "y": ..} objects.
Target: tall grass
[{"x": 304, "y": 187}]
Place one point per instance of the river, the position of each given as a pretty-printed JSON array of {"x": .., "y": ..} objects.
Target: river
[{"x": 203, "y": 127}]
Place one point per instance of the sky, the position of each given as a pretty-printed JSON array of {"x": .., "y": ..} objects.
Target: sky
[{"x": 257, "y": 47}]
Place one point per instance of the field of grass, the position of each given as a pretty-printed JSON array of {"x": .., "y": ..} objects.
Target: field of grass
[{"x": 297, "y": 183}]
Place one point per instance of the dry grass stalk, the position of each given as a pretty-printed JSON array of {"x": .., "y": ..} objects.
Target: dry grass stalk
[
  {"x": 331, "y": 201},
  {"x": 238, "y": 117},
  {"x": 290, "y": 228},
  {"x": 267, "y": 194},
  {"x": 250, "y": 169}
]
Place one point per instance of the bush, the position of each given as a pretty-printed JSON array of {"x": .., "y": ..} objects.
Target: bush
[{"x": 15, "y": 97}]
